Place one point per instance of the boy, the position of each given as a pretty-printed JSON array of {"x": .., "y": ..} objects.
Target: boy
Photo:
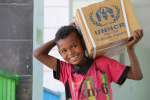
[{"x": 85, "y": 78}]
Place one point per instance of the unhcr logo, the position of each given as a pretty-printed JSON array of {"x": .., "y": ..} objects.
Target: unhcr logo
[{"x": 105, "y": 15}]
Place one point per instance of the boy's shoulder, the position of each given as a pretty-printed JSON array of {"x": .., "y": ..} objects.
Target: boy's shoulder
[{"x": 102, "y": 59}]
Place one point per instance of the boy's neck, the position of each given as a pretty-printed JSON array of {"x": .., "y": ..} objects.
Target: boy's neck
[
  {"x": 84, "y": 62},
  {"x": 83, "y": 68}
]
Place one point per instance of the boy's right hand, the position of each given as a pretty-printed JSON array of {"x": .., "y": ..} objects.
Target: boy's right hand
[{"x": 137, "y": 36}]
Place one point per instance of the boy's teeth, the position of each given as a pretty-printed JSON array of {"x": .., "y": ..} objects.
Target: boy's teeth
[{"x": 75, "y": 57}]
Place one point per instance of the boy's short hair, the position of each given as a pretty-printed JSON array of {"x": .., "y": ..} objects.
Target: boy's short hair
[{"x": 65, "y": 31}]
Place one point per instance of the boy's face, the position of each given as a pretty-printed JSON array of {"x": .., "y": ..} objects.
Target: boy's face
[{"x": 71, "y": 49}]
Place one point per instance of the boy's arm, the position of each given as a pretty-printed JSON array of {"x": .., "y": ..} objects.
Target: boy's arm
[
  {"x": 135, "y": 70},
  {"x": 41, "y": 54}
]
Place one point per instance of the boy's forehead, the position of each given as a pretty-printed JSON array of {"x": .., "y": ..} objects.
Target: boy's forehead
[{"x": 71, "y": 38}]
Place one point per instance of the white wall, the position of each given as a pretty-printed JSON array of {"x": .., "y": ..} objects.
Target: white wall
[
  {"x": 56, "y": 14},
  {"x": 142, "y": 8}
]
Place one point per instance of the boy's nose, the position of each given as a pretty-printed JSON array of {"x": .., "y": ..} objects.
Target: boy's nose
[{"x": 70, "y": 52}]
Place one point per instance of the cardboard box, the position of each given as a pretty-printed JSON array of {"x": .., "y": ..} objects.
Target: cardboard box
[{"x": 106, "y": 26}]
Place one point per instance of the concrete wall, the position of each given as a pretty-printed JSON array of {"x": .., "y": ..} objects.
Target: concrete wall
[{"x": 16, "y": 29}]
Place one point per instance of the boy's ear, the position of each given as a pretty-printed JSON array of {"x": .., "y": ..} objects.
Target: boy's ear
[{"x": 83, "y": 44}]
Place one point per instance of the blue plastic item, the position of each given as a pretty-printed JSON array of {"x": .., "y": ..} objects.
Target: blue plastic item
[{"x": 49, "y": 95}]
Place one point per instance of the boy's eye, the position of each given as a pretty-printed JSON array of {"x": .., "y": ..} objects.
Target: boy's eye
[
  {"x": 74, "y": 46},
  {"x": 63, "y": 50}
]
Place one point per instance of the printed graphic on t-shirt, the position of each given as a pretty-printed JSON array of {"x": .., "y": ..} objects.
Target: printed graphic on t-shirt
[{"x": 92, "y": 90}]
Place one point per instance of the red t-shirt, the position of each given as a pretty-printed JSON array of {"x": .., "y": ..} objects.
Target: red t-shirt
[{"x": 95, "y": 84}]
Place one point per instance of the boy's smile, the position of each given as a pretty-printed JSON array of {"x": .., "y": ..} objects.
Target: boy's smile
[{"x": 71, "y": 49}]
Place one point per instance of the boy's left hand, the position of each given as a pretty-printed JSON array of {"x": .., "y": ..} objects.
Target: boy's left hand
[{"x": 137, "y": 35}]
